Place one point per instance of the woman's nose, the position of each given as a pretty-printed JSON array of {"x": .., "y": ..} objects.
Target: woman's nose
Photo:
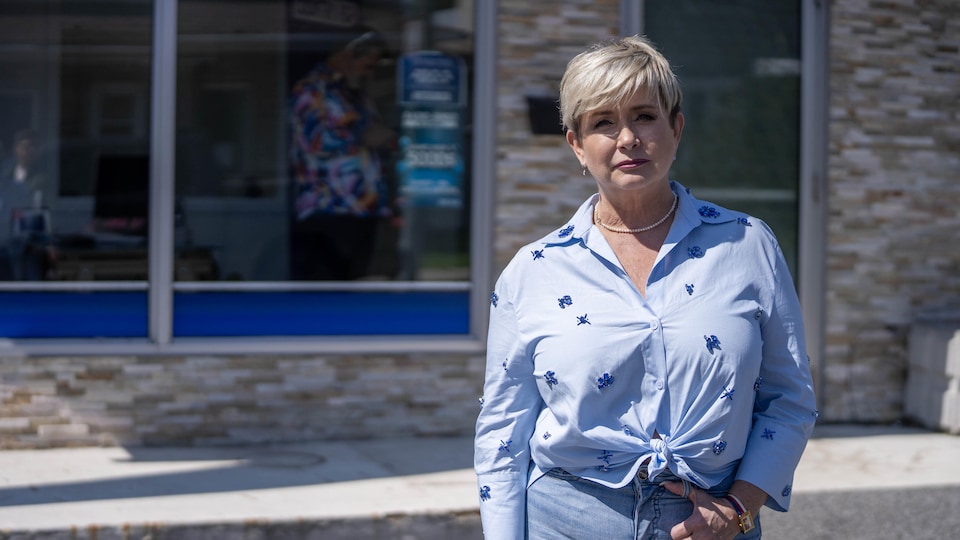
[{"x": 628, "y": 138}]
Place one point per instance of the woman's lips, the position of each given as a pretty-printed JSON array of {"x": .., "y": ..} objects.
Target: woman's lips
[{"x": 630, "y": 163}]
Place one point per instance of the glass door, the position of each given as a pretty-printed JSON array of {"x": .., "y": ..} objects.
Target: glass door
[{"x": 739, "y": 64}]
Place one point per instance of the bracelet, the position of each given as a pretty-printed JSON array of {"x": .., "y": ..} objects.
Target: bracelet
[{"x": 743, "y": 515}]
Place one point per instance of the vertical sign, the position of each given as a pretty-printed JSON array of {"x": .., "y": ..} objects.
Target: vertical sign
[{"x": 432, "y": 95}]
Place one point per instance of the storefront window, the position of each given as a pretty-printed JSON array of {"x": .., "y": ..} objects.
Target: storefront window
[
  {"x": 310, "y": 175},
  {"x": 322, "y": 168},
  {"x": 74, "y": 126},
  {"x": 323, "y": 141},
  {"x": 74, "y": 167}
]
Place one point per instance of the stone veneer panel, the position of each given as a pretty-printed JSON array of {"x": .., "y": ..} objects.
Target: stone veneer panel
[
  {"x": 894, "y": 195},
  {"x": 539, "y": 185},
  {"x": 51, "y": 402}
]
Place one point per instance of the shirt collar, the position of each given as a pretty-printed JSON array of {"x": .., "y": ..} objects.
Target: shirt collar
[
  {"x": 691, "y": 213},
  {"x": 577, "y": 228}
]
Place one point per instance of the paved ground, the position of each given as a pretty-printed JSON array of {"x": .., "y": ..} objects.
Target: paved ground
[
  {"x": 854, "y": 482},
  {"x": 901, "y": 514},
  {"x": 860, "y": 483}
]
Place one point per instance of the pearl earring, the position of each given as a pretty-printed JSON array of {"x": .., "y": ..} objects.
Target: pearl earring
[{"x": 584, "y": 173}]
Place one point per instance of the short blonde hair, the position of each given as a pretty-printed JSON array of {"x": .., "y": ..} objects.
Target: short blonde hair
[{"x": 608, "y": 73}]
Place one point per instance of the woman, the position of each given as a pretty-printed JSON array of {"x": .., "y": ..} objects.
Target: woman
[{"x": 646, "y": 369}]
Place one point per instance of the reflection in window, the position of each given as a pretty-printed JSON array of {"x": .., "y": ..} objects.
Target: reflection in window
[
  {"x": 305, "y": 145},
  {"x": 74, "y": 122}
]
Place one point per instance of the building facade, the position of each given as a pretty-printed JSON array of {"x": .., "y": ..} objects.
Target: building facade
[{"x": 835, "y": 122}]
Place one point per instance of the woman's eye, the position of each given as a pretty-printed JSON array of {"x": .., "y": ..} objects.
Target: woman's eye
[
  {"x": 646, "y": 117},
  {"x": 600, "y": 123}
]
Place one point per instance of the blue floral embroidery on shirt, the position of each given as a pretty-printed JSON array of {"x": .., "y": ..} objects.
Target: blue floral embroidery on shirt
[
  {"x": 786, "y": 490},
  {"x": 485, "y": 493},
  {"x": 626, "y": 431},
  {"x": 719, "y": 447},
  {"x": 546, "y": 435},
  {"x": 505, "y": 446},
  {"x": 758, "y": 313},
  {"x": 712, "y": 343},
  {"x": 727, "y": 393},
  {"x": 695, "y": 252},
  {"x": 551, "y": 378},
  {"x": 537, "y": 254},
  {"x": 480, "y": 401},
  {"x": 689, "y": 287},
  {"x": 605, "y": 458},
  {"x": 582, "y": 320},
  {"x": 709, "y": 211},
  {"x": 494, "y": 299},
  {"x": 504, "y": 364},
  {"x": 757, "y": 383},
  {"x": 768, "y": 433},
  {"x": 566, "y": 231},
  {"x": 565, "y": 301},
  {"x": 604, "y": 381},
  {"x": 744, "y": 221}
]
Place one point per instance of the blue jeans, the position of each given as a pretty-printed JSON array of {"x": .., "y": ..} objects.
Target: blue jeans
[{"x": 561, "y": 505}]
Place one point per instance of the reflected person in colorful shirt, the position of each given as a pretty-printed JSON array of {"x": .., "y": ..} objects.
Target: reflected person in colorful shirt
[
  {"x": 646, "y": 373},
  {"x": 336, "y": 137}
]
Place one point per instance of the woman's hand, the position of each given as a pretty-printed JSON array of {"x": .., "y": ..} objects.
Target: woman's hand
[{"x": 712, "y": 518}]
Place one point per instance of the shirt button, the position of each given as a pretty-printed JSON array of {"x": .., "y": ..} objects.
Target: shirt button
[
  {"x": 659, "y": 385},
  {"x": 654, "y": 324}
]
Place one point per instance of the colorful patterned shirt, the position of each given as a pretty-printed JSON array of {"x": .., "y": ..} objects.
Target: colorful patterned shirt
[
  {"x": 583, "y": 370},
  {"x": 333, "y": 171}
]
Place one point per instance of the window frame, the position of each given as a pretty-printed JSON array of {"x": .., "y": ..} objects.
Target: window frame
[{"x": 161, "y": 285}]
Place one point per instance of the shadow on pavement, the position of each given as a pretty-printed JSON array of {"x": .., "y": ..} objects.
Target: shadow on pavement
[{"x": 150, "y": 472}]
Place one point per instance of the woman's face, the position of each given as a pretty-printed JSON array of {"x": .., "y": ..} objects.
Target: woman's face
[{"x": 629, "y": 146}]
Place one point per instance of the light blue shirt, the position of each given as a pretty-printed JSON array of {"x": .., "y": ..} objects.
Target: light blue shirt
[{"x": 582, "y": 370}]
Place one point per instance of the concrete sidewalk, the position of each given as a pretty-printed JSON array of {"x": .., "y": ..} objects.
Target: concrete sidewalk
[{"x": 409, "y": 488}]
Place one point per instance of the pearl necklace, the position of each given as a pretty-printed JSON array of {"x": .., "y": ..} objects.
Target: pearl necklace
[{"x": 624, "y": 230}]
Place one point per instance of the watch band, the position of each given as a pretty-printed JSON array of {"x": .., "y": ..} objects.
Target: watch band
[{"x": 743, "y": 515}]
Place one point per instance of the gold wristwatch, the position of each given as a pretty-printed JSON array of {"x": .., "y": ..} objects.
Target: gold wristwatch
[{"x": 743, "y": 515}]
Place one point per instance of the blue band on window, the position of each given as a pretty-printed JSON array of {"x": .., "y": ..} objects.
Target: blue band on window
[
  {"x": 124, "y": 314},
  {"x": 73, "y": 314},
  {"x": 319, "y": 313}
]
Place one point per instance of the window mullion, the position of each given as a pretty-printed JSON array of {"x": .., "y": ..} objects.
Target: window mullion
[
  {"x": 813, "y": 178},
  {"x": 162, "y": 156},
  {"x": 631, "y": 17}
]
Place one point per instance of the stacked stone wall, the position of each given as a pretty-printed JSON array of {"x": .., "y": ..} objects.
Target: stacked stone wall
[
  {"x": 894, "y": 196},
  {"x": 224, "y": 400},
  {"x": 539, "y": 185}
]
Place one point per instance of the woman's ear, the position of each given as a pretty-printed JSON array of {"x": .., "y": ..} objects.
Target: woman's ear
[{"x": 574, "y": 141}]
